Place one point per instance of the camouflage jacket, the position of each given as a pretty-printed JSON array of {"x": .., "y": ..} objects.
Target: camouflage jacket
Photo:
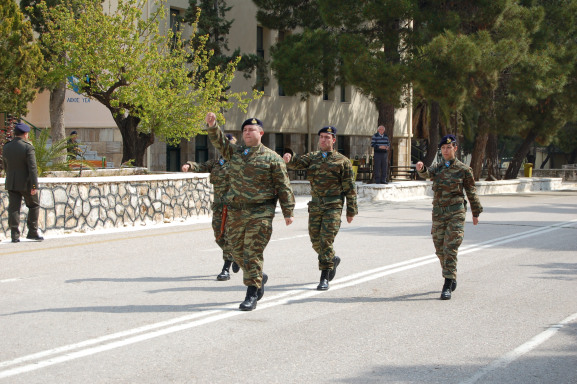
[
  {"x": 450, "y": 182},
  {"x": 218, "y": 170},
  {"x": 256, "y": 174},
  {"x": 330, "y": 176}
]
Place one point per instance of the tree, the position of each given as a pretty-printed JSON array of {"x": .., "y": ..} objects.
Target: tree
[
  {"x": 541, "y": 90},
  {"x": 213, "y": 31},
  {"x": 152, "y": 83},
  {"x": 20, "y": 60},
  {"x": 359, "y": 43},
  {"x": 53, "y": 81}
]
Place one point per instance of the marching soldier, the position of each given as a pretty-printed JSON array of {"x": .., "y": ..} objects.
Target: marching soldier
[
  {"x": 258, "y": 178},
  {"x": 451, "y": 179},
  {"x": 218, "y": 170},
  {"x": 22, "y": 182},
  {"x": 331, "y": 177}
]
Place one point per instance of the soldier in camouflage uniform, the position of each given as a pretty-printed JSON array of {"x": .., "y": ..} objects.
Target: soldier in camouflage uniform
[
  {"x": 451, "y": 179},
  {"x": 331, "y": 178},
  {"x": 219, "y": 179},
  {"x": 258, "y": 178}
]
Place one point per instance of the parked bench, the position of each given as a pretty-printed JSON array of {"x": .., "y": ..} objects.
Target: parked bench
[{"x": 403, "y": 172}]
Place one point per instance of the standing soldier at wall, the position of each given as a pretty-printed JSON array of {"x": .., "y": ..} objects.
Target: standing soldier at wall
[
  {"x": 331, "y": 177},
  {"x": 218, "y": 170},
  {"x": 19, "y": 159},
  {"x": 258, "y": 178},
  {"x": 451, "y": 179}
]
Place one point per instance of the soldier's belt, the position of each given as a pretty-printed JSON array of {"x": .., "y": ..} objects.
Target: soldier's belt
[
  {"x": 448, "y": 209},
  {"x": 327, "y": 199},
  {"x": 233, "y": 205}
]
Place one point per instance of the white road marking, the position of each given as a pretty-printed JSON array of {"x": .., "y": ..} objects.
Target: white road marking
[
  {"x": 521, "y": 350},
  {"x": 90, "y": 347}
]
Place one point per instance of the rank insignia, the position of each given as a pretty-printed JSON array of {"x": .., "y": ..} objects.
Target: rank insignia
[
  {"x": 221, "y": 161},
  {"x": 324, "y": 155},
  {"x": 246, "y": 151},
  {"x": 448, "y": 164}
]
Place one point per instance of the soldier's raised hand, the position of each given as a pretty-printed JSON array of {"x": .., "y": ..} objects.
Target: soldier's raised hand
[{"x": 210, "y": 119}]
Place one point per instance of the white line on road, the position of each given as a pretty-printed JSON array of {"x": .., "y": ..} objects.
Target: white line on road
[
  {"x": 151, "y": 331},
  {"x": 521, "y": 350}
]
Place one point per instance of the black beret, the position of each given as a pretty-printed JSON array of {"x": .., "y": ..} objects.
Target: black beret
[
  {"x": 22, "y": 127},
  {"x": 251, "y": 121},
  {"x": 448, "y": 139},
  {"x": 329, "y": 129},
  {"x": 73, "y": 133}
]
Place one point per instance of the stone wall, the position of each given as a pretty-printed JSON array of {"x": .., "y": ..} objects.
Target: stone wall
[
  {"x": 82, "y": 204},
  {"x": 566, "y": 174}
]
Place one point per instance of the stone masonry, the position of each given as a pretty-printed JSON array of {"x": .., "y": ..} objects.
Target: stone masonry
[{"x": 83, "y": 204}]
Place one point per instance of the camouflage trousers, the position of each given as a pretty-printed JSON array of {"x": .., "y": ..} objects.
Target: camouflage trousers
[
  {"x": 324, "y": 224},
  {"x": 447, "y": 231},
  {"x": 216, "y": 225},
  {"x": 248, "y": 232}
]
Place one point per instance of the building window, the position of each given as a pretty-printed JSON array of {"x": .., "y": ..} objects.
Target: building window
[
  {"x": 279, "y": 143},
  {"x": 172, "y": 158},
  {"x": 341, "y": 144},
  {"x": 343, "y": 93},
  {"x": 260, "y": 53},
  {"x": 201, "y": 148},
  {"x": 327, "y": 92},
  {"x": 175, "y": 23}
]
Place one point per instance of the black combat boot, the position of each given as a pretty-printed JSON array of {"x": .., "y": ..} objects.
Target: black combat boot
[
  {"x": 260, "y": 292},
  {"x": 324, "y": 283},
  {"x": 333, "y": 272},
  {"x": 224, "y": 275},
  {"x": 250, "y": 300},
  {"x": 235, "y": 267},
  {"x": 454, "y": 285},
  {"x": 446, "y": 292}
]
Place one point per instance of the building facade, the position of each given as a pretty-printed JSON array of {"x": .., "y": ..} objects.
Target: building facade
[{"x": 288, "y": 121}]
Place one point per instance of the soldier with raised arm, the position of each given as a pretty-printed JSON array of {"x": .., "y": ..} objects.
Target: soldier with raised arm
[{"x": 258, "y": 179}]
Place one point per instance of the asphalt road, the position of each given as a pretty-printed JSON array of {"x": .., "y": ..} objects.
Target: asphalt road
[{"x": 145, "y": 307}]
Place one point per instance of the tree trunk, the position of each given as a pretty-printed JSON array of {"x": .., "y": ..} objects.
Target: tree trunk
[
  {"x": 492, "y": 156},
  {"x": 57, "y": 127},
  {"x": 433, "y": 144},
  {"x": 515, "y": 164},
  {"x": 134, "y": 143},
  {"x": 572, "y": 156},
  {"x": 386, "y": 118},
  {"x": 478, "y": 154}
]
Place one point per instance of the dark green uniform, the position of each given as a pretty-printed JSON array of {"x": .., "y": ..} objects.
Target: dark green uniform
[
  {"x": 450, "y": 183},
  {"x": 218, "y": 170},
  {"x": 258, "y": 178},
  {"x": 331, "y": 178},
  {"x": 21, "y": 177}
]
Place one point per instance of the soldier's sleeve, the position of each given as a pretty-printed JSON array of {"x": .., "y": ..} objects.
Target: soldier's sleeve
[
  {"x": 32, "y": 169},
  {"x": 427, "y": 172},
  {"x": 283, "y": 187},
  {"x": 300, "y": 161},
  {"x": 205, "y": 167},
  {"x": 471, "y": 191},
  {"x": 349, "y": 189},
  {"x": 220, "y": 141}
]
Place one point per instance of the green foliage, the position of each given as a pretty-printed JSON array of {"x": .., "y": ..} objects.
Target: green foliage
[
  {"x": 213, "y": 31},
  {"x": 153, "y": 83},
  {"x": 49, "y": 155},
  {"x": 20, "y": 60}
]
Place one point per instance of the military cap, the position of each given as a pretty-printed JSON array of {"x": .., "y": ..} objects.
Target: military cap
[
  {"x": 329, "y": 129},
  {"x": 22, "y": 127},
  {"x": 448, "y": 139},
  {"x": 251, "y": 121},
  {"x": 73, "y": 133}
]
